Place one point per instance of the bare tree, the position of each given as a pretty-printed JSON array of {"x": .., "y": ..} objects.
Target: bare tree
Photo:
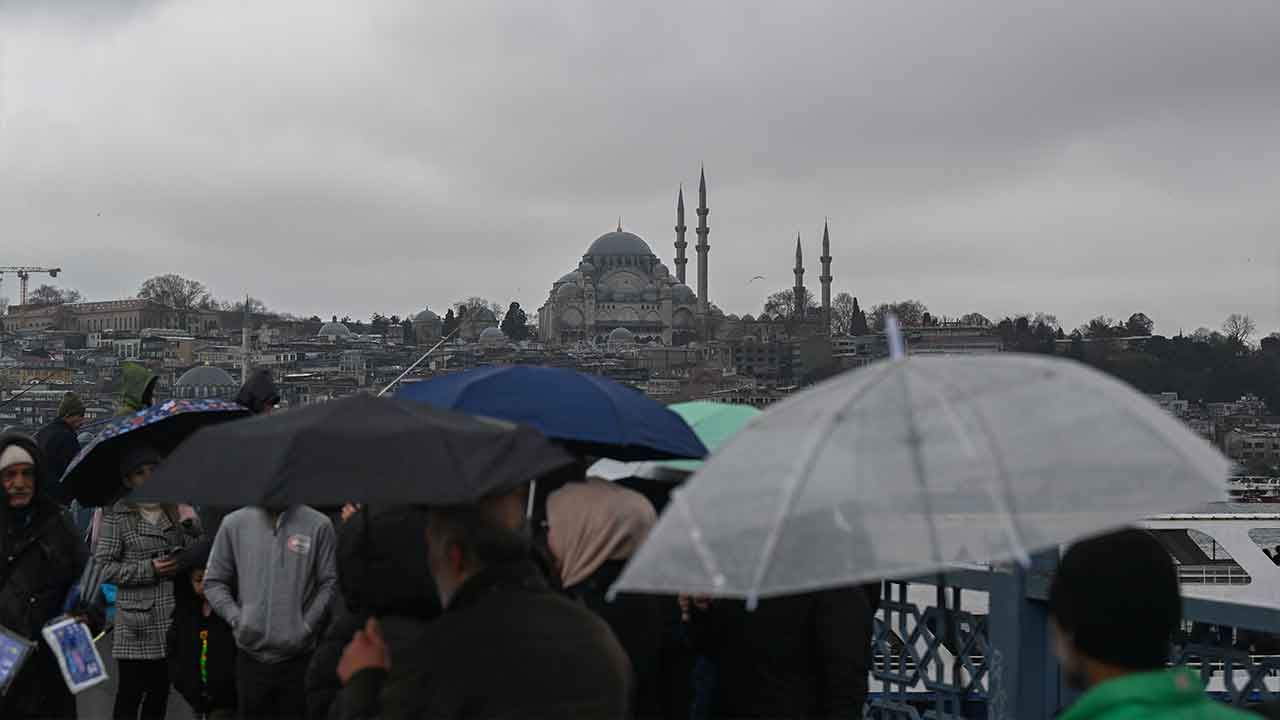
[
  {"x": 473, "y": 303},
  {"x": 910, "y": 313},
  {"x": 1099, "y": 327},
  {"x": 783, "y": 304},
  {"x": 1239, "y": 328},
  {"x": 1139, "y": 324},
  {"x": 842, "y": 308},
  {"x": 176, "y": 292},
  {"x": 50, "y": 295}
]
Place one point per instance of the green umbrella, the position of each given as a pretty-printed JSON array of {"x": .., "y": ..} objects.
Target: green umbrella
[{"x": 714, "y": 423}]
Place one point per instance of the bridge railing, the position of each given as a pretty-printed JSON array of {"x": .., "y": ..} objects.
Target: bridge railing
[{"x": 977, "y": 645}]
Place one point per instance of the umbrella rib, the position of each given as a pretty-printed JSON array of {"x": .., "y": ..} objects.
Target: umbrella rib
[
  {"x": 1005, "y": 500},
  {"x": 808, "y": 459},
  {"x": 699, "y": 543}
]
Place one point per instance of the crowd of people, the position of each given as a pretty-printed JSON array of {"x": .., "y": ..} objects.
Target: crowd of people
[{"x": 484, "y": 610}]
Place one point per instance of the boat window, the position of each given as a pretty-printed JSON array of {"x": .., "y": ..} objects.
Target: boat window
[{"x": 1269, "y": 540}]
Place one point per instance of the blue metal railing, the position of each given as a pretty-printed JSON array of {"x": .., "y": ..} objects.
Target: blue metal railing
[{"x": 935, "y": 657}]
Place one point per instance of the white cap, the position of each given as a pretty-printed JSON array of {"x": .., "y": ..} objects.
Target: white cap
[{"x": 15, "y": 455}]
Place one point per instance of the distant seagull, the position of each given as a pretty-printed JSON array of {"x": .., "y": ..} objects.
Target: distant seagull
[{"x": 758, "y": 277}]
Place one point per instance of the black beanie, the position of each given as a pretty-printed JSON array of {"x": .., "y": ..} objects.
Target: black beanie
[{"x": 1116, "y": 597}]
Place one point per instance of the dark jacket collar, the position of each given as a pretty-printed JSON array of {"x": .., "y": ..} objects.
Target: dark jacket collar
[{"x": 517, "y": 575}]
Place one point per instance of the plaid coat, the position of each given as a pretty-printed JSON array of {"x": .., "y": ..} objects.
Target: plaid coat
[{"x": 144, "y": 603}]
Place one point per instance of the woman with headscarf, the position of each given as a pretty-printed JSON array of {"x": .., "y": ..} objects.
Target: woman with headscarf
[
  {"x": 594, "y": 527},
  {"x": 138, "y": 551}
]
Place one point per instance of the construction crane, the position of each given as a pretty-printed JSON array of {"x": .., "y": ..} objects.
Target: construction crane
[{"x": 24, "y": 275}]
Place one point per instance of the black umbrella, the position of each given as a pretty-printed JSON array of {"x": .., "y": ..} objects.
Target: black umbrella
[{"x": 358, "y": 449}]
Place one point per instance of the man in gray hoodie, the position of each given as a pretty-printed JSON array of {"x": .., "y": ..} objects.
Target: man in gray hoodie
[{"x": 272, "y": 576}]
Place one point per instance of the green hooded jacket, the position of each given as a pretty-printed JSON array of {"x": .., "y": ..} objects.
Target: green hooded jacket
[
  {"x": 1174, "y": 694},
  {"x": 137, "y": 388}
]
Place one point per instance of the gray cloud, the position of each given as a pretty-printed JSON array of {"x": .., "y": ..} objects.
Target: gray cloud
[{"x": 1079, "y": 159}]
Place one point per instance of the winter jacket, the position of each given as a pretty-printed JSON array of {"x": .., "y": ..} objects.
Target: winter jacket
[
  {"x": 273, "y": 582},
  {"x": 800, "y": 656},
  {"x": 138, "y": 385},
  {"x": 58, "y": 442},
  {"x": 638, "y": 622},
  {"x": 507, "y": 646},
  {"x": 383, "y": 571},
  {"x": 258, "y": 392},
  {"x": 40, "y": 558},
  {"x": 192, "y": 634},
  {"x": 144, "y": 602},
  {"x": 1173, "y": 694}
]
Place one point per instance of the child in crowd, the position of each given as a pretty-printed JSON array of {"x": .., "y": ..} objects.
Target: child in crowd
[{"x": 202, "y": 648}]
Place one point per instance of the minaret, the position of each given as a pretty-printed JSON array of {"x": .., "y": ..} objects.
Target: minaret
[
  {"x": 799, "y": 288},
  {"x": 703, "y": 246},
  {"x": 826, "y": 277},
  {"x": 681, "y": 260}
]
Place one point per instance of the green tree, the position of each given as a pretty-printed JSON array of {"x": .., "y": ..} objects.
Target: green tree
[
  {"x": 450, "y": 323},
  {"x": 1139, "y": 324},
  {"x": 515, "y": 324},
  {"x": 858, "y": 321}
]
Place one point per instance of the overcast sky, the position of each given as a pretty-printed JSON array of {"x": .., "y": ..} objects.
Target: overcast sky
[{"x": 1077, "y": 158}]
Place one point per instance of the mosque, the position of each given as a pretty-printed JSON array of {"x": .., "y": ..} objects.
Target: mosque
[{"x": 621, "y": 291}]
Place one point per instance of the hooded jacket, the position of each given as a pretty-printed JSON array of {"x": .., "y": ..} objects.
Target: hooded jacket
[
  {"x": 383, "y": 571},
  {"x": 273, "y": 583},
  {"x": 258, "y": 392},
  {"x": 137, "y": 388},
  {"x": 192, "y": 634},
  {"x": 40, "y": 558}
]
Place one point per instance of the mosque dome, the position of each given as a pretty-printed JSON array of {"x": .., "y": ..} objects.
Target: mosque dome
[
  {"x": 492, "y": 336},
  {"x": 621, "y": 336},
  {"x": 748, "y": 318},
  {"x": 682, "y": 294},
  {"x": 569, "y": 292},
  {"x": 480, "y": 316},
  {"x": 426, "y": 316},
  {"x": 335, "y": 329},
  {"x": 570, "y": 277},
  {"x": 619, "y": 242},
  {"x": 206, "y": 376}
]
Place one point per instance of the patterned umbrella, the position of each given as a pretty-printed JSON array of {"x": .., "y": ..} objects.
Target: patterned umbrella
[{"x": 93, "y": 478}]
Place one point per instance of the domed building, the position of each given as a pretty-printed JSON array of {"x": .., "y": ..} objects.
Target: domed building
[
  {"x": 428, "y": 327},
  {"x": 620, "y": 284},
  {"x": 335, "y": 331},
  {"x": 493, "y": 338},
  {"x": 475, "y": 322},
  {"x": 205, "y": 381}
]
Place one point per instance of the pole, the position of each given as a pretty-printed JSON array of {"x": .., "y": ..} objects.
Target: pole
[{"x": 411, "y": 368}]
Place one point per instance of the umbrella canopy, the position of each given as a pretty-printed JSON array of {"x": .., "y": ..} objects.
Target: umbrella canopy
[
  {"x": 590, "y": 415},
  {"x": 910, "y": 466},
  {"x": 357, "y": 449},
  {"x": 93, "y": 477},
  {"x": 714, "y": 423}
]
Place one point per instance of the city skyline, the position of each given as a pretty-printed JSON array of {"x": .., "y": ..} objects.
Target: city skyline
[{"x": 387, "y": 157}]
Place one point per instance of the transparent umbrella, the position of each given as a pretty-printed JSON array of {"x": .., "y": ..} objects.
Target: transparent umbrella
[{"x": 913, "y": 465}]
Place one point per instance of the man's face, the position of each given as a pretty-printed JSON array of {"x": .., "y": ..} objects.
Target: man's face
[
  {"x": 139, "y": 476},
  {"x": 75, "y": 421},
  {"x": 447, "y": 569},
  {"x": 19, "y": 484}
]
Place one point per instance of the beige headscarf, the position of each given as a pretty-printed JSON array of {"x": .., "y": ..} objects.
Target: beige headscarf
[{"x": 594, "y": 522}]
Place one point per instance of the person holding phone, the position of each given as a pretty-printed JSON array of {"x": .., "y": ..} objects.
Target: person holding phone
[{"x": 137, "y": 549}]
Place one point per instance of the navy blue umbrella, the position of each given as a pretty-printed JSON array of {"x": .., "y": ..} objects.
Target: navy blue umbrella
[{"x": 590, "y": 415}]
